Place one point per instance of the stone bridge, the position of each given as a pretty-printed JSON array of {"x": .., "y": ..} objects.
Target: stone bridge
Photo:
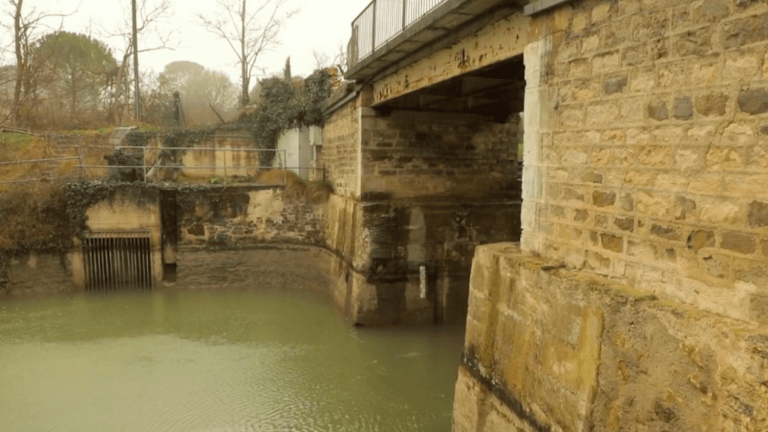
[{"x": 624, "y": 285}]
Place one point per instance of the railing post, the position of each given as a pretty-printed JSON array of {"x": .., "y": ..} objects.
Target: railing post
[
  {"x": 143, "y": 162},
  {"x": 405, "y": 5},
  {"x": 80, "y": 161},
  {"x": 373, "y": 29}
]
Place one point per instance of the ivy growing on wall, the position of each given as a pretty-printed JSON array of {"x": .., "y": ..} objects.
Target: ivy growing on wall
[
  {"x": 283, "y": 107},
  {"x": 176, "y": 137}
]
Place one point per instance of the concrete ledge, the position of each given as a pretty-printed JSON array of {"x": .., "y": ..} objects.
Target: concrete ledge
[{"x": 552, "y": 349}]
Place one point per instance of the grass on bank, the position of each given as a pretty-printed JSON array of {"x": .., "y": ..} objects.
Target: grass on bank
[{"x": 23, "y": 147}]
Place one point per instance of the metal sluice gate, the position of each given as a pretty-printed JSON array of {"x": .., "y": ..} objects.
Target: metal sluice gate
[{"x": 120, "y": 260}]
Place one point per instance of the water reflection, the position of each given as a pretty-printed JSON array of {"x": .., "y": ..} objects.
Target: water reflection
[{"x": 217, "y": 361}]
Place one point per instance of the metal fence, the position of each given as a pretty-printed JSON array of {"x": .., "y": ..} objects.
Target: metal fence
[
  {"x": 381, "y": 21},
  {"x": 209, "y": 165}
]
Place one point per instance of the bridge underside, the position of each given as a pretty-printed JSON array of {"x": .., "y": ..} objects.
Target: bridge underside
[
  {"x": 434, "y": 173},
  {"x": 494, "y": 91}
]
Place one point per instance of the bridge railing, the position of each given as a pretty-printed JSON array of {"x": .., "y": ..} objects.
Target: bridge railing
[{"x": 381, "y": 21}]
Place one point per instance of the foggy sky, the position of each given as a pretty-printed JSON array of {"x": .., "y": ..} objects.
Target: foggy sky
[{"x": 321, "y": 25}]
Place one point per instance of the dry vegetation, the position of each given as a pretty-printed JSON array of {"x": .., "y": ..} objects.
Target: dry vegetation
[
  {"x": 296, "y": 188},
  {"x": 33, "y": 217},
  {"x": 17, "y": 148}
]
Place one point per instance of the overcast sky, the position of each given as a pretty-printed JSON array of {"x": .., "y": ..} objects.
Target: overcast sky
[{"x": 320, "y": 25}]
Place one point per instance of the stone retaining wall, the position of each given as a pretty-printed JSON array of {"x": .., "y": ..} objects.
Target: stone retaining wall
[{"x": 551, "y": 349}]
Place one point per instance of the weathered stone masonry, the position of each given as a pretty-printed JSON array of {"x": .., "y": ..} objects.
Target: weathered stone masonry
[
  {"x": 431, "y": 187},
  {"x": 653, "y": 156},
  {"x": 637, "y": 300}
]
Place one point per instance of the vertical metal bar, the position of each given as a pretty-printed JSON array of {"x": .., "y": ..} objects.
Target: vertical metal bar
[
  {"x": 140, "y": 251},
  {"x": 373, "y": 29},
  {"x": 139, "y": 265},
  {"x": 405, "y": 4},
  {"x": 80, "y": 161},
  {"x": 148, "y": 261},
  {"x": 87, "y": 263},
  {"x": 121, "y": 254},
  {"x": 94, "y": 265},
  {"x": 284, "y": 156},
  {"x": 99, "y": 264},
  {"x": 112, "y": 270},
  {"x": 133, "y": 267},
  {"x": 110, "y": 262},
  {"x": 151, "y": 266},
  {"x": 144, "y": 262},
  {"x": 144, "y": 161}
]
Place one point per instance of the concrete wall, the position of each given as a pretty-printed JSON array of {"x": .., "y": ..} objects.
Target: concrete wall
[
  {"x": 223, "y": 160},
  {"x": 298, "y": 152},
  {"x": 130, "y": 209}
]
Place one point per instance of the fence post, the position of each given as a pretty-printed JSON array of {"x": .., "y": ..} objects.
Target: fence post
[
  {"x": 373, "y": 29},
  {"x": 224, "y": 157},
  {"x": 80, "y": 161},
  {"x": 144, "y": 162}
]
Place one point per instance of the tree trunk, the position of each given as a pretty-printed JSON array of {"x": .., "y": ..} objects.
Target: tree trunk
[
  {"x": 244, "y": 60},
  {"x": 19, "y": 62},
  {"x": 117, "y": 107}
]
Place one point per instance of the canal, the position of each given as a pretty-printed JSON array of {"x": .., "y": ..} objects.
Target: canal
[{"x": 234, "y": 360}]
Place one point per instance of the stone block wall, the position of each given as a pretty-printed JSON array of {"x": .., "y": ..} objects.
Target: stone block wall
[
  {"x": 418, "y": 154},
  {"x": 414, "y": 189},
  {"x": 647, "y": 147},
  {"x": 241, "y": 216},
  {"x": 380, "y": 247},
  {"x": 552, "y": 349},
  {"x": 36, "y": 273},
  {"x": 341, "y": 149}
]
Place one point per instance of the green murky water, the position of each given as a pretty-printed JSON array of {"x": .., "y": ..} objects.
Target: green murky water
[{"x": 216, "y": 361}]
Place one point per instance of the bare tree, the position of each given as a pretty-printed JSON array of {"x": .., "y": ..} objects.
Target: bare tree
[
  {"x": 250, "y": 30},
  {"x": 150, "y": 16},
  {"x": 339, "y": 60},
  {"x": 322, "y": 59},
  {"x": 25, "y": 26}
]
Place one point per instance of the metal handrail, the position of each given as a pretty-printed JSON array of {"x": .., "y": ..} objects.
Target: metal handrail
[
  {"x": 380, "y": 22},
  {"x": 146, "y": 169}
]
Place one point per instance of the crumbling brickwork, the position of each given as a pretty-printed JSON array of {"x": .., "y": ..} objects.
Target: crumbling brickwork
[{"x": 650, "y": 160}]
